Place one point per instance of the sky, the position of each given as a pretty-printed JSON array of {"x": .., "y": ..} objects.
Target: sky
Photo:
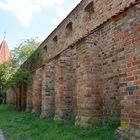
[{"x": 25, "y": 19}]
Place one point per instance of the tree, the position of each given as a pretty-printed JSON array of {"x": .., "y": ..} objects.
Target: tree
[
  {"x": 21, "y": 53},
  {"x": 10, "y": 71},
  {"x": 7, "y": 69}
]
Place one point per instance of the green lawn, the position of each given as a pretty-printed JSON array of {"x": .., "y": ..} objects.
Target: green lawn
[{"x": 28, "y": 126}]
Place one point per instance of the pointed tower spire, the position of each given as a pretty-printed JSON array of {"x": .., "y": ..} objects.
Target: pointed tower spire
[{"x": 4, "y": 51}]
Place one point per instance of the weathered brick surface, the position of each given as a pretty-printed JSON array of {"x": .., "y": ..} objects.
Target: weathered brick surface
[
  {"x": 11, "y": 96},
  {"x": 63, "y": 87},
  {"x": 130, "y": 118},
  {"x": 48, "y": 91},
  {"x": 23, "y": 96},
  {"x": 103, "y": 10},
  {"x": 130, "y": 113},
  {"x": 18, "y": 98},
  {"x": 29, "y": 97},
  {"x": 117, "y": 43},
  {"x": 86, "y": 78},
  {"x": 37, "y": 91}
]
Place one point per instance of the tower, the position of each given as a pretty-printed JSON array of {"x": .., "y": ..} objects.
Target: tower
[{"x": 4, "y": 52}]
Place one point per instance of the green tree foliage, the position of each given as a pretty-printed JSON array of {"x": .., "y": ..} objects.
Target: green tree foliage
[
  {"x": 21, "y": 76},
  {"x": 7, "y": 69},
  {"x": 10, "y": 72},
  {"x": 21, "y": 53}
]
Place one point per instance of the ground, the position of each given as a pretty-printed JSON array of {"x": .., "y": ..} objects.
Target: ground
[{"x": 28, "y": 126}]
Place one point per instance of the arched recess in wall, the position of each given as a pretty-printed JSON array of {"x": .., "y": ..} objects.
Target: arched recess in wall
[
  {"x": 45, "y": 48},
  {"x": 89, "y": 11},
  {"x": 69, "y": 28},
  {"x": 55, "y": 41}
]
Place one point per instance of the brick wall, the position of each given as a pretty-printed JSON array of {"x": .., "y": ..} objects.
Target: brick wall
[
  {"x": 63, "y": 87},
  {"x": 130, "y": 118},
  {"x": 48, "y": 91},
  {"x": 11, "y": 96},
  {"x": 103, "y": 10},
  {"x": 37, "y": 91},
  {"x": 118, "y": 42},
  {"x": 130, "y": 113},
  {"x": 29, "y": 97},
  {"x": 88, "y": 79}
]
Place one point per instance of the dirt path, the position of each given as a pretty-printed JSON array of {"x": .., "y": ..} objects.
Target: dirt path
[{"x": 1, "y": 135}]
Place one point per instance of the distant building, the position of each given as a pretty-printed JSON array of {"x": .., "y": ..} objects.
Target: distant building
[{"x": 4, "y": 52}]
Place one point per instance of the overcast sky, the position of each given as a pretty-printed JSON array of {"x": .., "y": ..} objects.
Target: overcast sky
[{"x": 22, "y": 19}]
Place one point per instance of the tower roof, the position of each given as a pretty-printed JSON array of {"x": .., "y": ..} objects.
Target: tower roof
[{"x": 4, "y": 52}]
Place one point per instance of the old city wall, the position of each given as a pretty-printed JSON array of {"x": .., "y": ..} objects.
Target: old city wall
[
  {"x": 11, "y": 96},
  {"x": 90, "y": 67},
  {"x": 87, "y": 16}
]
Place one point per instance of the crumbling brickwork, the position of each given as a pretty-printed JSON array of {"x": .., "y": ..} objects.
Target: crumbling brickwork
[
  {"x": 88, "y": 81},
  {"x": 10, "y": 96},
  {"x": 63, "y": 87},
  {"x": 130, "y": 118},
  {"x": 29, "y": 97},
  {"x": 90, "y": 63},
  {"x": 37, "y": 90},
  {"x": 48, "y": 90}
]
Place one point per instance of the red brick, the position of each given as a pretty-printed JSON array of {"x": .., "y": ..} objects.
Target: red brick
[
  {"x": 136, "y": 62},
  {"x": 137, "y": 92},
  {"x": 130, "y": 78}
]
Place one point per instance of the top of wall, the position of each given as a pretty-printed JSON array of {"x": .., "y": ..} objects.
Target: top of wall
[{"x": 80, "y": 22}]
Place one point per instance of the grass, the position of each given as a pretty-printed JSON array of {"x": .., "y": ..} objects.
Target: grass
[{"x": 28, "y": 126}]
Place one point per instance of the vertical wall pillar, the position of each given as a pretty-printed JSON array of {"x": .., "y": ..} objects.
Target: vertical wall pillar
[
  {"x": 29, "y": 97},
  {"x": 88, "y": 82},
  {"x": 48, "y": 92},
  {"x": 19, "y": 98},
  {"x": 74, "y": 88},
  {"x": 23, "y": 96},
  {"x": 37, "y": 87},
  {"x": 130, "y": 105},
  {"x": 63, "y": 87}
]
